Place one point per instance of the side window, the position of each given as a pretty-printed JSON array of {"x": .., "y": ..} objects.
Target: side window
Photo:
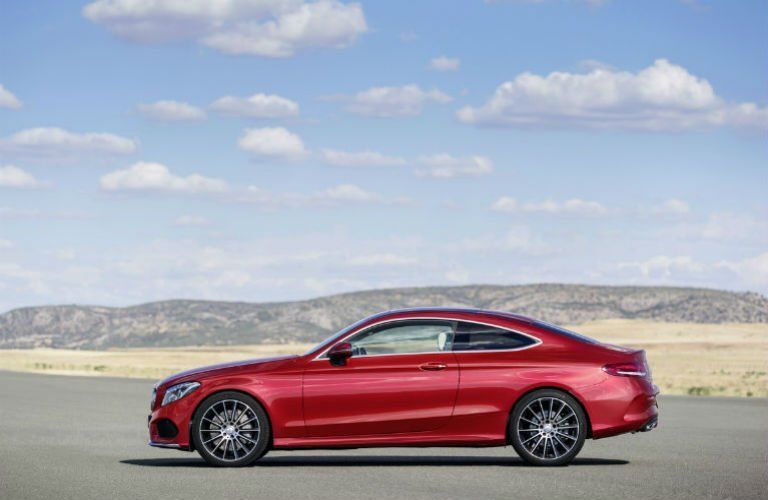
[
  {"x": 404, "y": 337},
  {"x": 476, "y": 337}
]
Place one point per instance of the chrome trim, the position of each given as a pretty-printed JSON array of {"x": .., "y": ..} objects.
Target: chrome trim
[
  {"x": 537, "y": 341},
  {"x": 172, "y": 446}
]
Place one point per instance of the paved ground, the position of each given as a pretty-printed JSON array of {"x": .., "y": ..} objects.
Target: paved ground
[{"x": 71, "y": 437}]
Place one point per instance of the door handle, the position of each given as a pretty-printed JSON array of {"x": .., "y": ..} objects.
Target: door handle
[{"x": 432, "y": 367}]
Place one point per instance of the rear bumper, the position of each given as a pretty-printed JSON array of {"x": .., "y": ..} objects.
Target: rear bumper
[{"x": 622, "y": 404}]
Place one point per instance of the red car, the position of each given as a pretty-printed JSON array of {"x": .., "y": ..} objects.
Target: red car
[{"x": 416, "y": 377}]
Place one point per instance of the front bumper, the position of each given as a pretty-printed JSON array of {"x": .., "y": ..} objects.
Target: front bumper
[
  {"x": 168, "y": 425},
  {"x": 173, "y": 446}
]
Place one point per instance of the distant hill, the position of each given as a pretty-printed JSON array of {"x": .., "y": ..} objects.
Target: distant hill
[{"x": 195, "y": 322}]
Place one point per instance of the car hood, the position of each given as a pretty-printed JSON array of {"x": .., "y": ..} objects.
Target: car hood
[{"x": 207, "y": 371}]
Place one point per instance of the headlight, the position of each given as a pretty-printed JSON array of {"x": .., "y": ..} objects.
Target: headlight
[{"x": 178, "y": 391}]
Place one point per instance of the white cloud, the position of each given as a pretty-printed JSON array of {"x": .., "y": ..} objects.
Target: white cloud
[
  {"x": 388, "y": 102},
  {"x": 746, "y": 115},
  {"x": 594, "y": 3},
  {"x": 360, "y": 159},
  {"x": 5, "y": 244},
  {"x": 155, "y": 177},
  {"x": 8, "y": 100},
  {"x": 146, "y": 176},
  {"x": 335, "y": 196},
  {"x": 663, "y": 266},
  {"x": 724, "y": 227},
  {"x": 593, "y": 64},
  {"x": 382, "y": 259},
  {"x": 663, "y": 96},
  {"x": 12, "y": 176},
  {"x": 671, "y": 207},
  {"x": 263, "y": 268},
  {"x": 151, "y": 21},
  {"x": 440, "y": 165},
  {"x": 269, "y": 28},
  {"x": 575, "y": 206},
  {"x": 444, "y": 63},
  {"x": 172, "y": 111},
  {"x": 57, "y": 142},
  {"x": 445, "y": 166},
  {"x": 505, "y": 204},
  {"x": 325, "y": 23},
  {"x": 192, "y": 220},
  {"x": 753, "y": 270},
  {"x": 572, "y": 206},
  {"x": 63, "y": 254},
  {"x": 347, "y": 193},
  {"x": 508, "y": 204},
  {"x": 256, "y": 106},
  {"x": 517, "y": 239},
  {"x": 27, "y": 213},
  {"x": 272, "y": 142}
]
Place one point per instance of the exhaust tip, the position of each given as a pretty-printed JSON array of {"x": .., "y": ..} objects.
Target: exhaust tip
[{"x": 650, "y": 425}]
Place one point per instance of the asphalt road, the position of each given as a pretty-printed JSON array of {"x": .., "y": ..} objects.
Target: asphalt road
[{"x": 72, "y": 437}]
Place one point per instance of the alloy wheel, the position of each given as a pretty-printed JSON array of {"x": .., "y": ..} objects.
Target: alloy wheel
[
  {"x": 548, "y": 428},
  {"x": 229, "y": 430}
]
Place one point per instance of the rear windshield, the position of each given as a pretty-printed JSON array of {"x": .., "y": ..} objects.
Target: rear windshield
[{"x": 565, "y": 332}]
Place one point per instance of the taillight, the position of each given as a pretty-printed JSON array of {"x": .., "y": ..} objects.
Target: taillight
[{"x": 625, "y": 370}]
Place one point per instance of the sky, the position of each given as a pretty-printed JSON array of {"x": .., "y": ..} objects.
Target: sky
[{"x": 265, "y": 150}]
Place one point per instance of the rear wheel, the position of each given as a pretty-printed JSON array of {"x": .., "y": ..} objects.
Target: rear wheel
[
  {"x": 230, "y": 429},
  {"x": 548, "y": 427}
]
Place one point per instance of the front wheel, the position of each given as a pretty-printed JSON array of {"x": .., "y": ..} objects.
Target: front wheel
[
  {"x": 548, "y": 427},
  {"x": 230, "y": 429}
]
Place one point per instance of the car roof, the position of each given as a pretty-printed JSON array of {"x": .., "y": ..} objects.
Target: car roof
[{"x": 454, "y": 310}]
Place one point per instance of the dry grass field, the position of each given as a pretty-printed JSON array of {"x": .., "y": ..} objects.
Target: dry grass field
[
  {"x": 686, "y": 358},
  {"x": 729, "y": 359}
]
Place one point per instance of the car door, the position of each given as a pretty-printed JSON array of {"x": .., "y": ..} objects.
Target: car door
[
  {"x": 496, "y": 364},
  {"x": 402, "y": 377}
]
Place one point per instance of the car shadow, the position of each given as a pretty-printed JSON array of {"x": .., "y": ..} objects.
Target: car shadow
[{"x": 368, "y": 461}]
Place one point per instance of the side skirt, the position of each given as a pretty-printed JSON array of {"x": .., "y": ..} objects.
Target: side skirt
[{"x": 388, "y": 441}]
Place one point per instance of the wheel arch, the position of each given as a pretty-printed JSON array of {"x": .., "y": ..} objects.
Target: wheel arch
[
  {"x": 219, "y": 391},
  {"x": 552, "y": 387}
]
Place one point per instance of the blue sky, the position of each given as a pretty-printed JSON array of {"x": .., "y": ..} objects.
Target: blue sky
[{"x": 272, "y": 150}]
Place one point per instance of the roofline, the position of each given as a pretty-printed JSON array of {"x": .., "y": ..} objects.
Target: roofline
[{"x": 456, "y": 310}]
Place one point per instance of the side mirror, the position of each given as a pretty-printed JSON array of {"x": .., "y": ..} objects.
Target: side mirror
[{"x": 339, "y": 353}]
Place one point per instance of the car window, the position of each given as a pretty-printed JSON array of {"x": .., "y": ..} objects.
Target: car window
[
  {"x": 477, "y": 337},
  {"x": 404, "y": 338},
  {"x": 567, "y": 333}
]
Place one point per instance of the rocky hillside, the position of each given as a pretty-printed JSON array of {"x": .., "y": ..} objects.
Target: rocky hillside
[{"x": 191, "y": 322}]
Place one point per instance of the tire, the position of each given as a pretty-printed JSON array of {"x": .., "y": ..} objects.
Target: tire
[
  {"x": 539, "y": 432},
  {"x": 231, "y": 429}
]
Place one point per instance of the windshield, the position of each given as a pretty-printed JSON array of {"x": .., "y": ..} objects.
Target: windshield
[
  {"x": 325, "y": 343},
  {"x": 565, "y": 332}
]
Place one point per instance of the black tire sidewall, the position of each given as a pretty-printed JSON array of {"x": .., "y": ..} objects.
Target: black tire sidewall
[
  {"x": 264, "y": 434},
  {"x": 547, "y": 393}
]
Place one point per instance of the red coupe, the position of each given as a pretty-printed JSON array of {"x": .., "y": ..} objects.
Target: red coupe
[{"x": 416, "y": 377}]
